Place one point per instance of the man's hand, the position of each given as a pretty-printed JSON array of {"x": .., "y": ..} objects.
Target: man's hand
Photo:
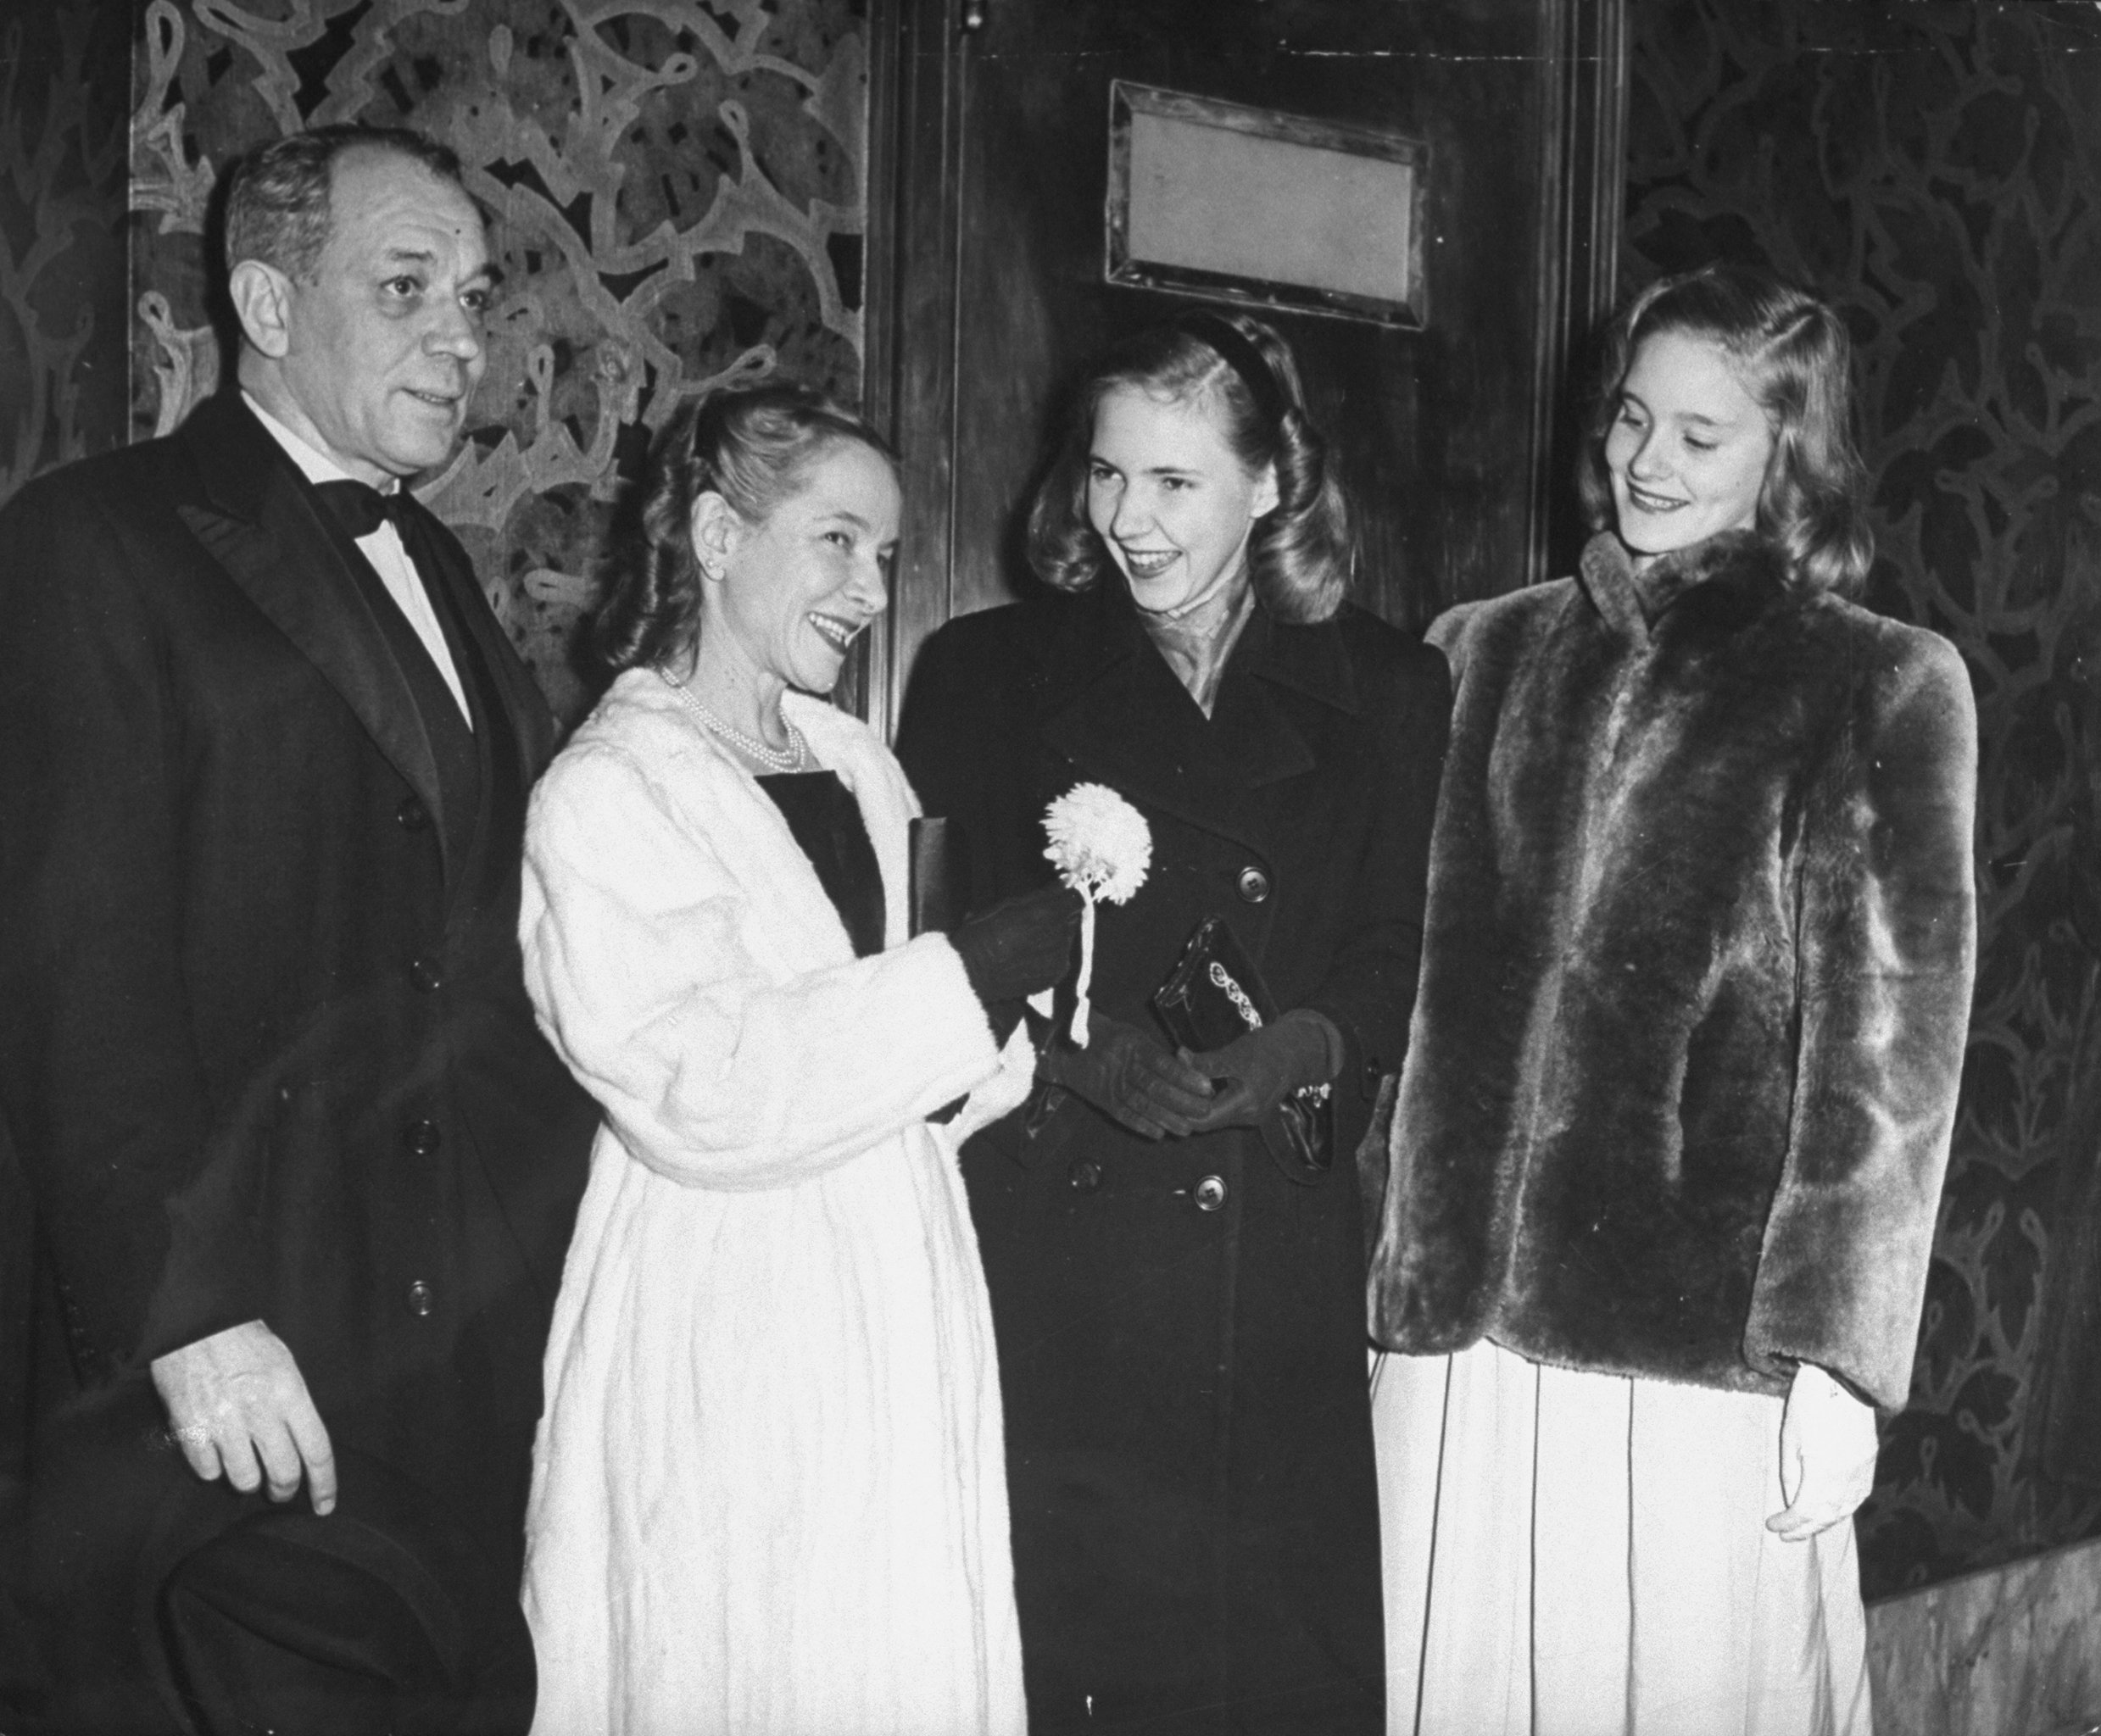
[
  {"x": 238, "y": 1405},
  {"x": 1827, "y": 1446}
]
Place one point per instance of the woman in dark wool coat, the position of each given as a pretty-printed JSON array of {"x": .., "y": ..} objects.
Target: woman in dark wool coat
[
  {"x": 1670, "y": 1136},
  {"x": 1178, "y": 1310}
]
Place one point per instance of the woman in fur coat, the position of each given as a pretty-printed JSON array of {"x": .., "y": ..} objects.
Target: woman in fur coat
[
  {"x": 1670, "y": 1136},
  {"x": 768, "y": 1491}
]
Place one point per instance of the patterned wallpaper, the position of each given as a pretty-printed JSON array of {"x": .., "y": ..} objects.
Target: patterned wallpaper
[
  {"x": 1934, "y": 168},
  {"x": 62, "y": 286},
  {"x": 677, "y": 189}
]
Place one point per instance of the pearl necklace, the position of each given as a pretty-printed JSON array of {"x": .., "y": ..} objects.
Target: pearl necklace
[{"x": 792, "y": 758}]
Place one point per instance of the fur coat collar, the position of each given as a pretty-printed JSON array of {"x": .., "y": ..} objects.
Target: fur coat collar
[{"x": 688, "y": 963}]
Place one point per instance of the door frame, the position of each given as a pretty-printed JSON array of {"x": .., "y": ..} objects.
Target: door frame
[{"x": 919, "y": 67}]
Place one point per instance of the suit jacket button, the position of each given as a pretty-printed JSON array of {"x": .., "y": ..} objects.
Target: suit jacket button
[
  {"x": 1085, "y": 1174},
  {"x": 420, "y": 1299},
  {"x": 1210, "y": 1193},
  {"x": 1254, "y": 884},
  {"x": 422, "y": 1137},
  {"x": 424, "y": 976},
  {"x": 412, "y": 815}
]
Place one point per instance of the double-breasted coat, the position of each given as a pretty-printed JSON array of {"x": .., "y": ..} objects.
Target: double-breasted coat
[
  {"x": 264, "y": 1048},
  {"x": 1180, "y": 1327}
]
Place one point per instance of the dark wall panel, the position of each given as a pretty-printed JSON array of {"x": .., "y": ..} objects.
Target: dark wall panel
[
  {"x": 1934, "y": 168},
  {"x": 62, "y": 72}
]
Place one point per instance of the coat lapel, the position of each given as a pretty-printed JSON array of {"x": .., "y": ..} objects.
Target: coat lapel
[
  {"x": 532, "y": 722},
  {"x": 1127, "y": 722},
  {"x": 261, "y": 522},
  {"x": 736, "y": 821}
]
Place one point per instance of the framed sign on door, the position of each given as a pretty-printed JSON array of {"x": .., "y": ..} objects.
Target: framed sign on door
[{"x": 1423, "y": 198}]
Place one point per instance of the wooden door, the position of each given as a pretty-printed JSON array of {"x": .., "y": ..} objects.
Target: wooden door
[{"x": 990, "y": 165}]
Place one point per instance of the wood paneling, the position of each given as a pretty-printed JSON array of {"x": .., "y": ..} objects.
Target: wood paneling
[{"x": 987, "y": 289}]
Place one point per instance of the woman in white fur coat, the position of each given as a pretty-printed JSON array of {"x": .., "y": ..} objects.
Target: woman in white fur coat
[{"x": 768, "y": 1490}]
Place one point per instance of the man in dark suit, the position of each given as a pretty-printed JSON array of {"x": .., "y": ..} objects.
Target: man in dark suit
[{"x": 302, "y": 1168}]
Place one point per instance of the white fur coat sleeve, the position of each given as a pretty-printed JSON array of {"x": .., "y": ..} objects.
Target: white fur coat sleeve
[{"x": 686, "y": 963}]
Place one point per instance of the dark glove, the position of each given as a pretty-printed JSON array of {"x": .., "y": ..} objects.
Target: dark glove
[
  {"x": 1125, "y": 1074},
  {"x": 1299, "y": 1049},
  {"x": 1020, "y": 945}
]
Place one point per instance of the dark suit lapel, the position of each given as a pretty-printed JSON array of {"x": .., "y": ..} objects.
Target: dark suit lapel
[
  {"x": 532, "y": 722},
  {"x": 260, "y": 521},
  {"x": 1128, "y": 722}
]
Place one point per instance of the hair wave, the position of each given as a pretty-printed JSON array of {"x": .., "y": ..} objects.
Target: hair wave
[
  {"x": 1301, "y": 555},
  {"x": 1793, "y": 355},
  {"x": 277, "y": 196},
  {"x": 752, "y": 445}
]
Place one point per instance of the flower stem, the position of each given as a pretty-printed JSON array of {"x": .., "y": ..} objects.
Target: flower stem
[{"x": 1086, "y": 968}]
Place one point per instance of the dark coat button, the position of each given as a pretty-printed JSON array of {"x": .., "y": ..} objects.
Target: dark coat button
[
  {"x": 412, "y": 814},
  {"x": 1085, "y": 1174},
  {"x": 424, "y": 976},
  {"x": 1254, "y": 884},
  {"x": 422, "y": 1137},
  {"x": 1210, "y": 1193},
  {"x": 420, "y": 1299}
]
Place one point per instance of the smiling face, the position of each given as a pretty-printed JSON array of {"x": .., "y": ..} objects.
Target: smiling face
[
  {"x": 1688, "y": 448},
  {"x": 373, "y": 361},
  {"x": 797, "y": 586},
  {"x": 1170, "y": 498}
]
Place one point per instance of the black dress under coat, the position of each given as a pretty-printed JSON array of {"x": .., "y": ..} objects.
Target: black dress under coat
[{"x": 1189, "y": 1440}]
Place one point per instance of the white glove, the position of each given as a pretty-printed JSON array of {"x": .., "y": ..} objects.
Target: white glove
[{"x": 1827, "y": 1447}]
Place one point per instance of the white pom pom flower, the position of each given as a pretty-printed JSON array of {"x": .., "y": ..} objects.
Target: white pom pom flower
[
  {"x": 1102, "y": 848},
  {"x": 1100, "y": 844}
]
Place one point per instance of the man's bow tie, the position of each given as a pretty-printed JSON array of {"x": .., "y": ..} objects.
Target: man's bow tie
[{"x": 360, "y": 509}]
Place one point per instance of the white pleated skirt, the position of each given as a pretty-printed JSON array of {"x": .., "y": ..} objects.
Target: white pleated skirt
[{"x": 1570, "y": 1554}]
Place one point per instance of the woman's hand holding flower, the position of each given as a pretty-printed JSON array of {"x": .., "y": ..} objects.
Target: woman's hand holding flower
[{"x": 1021, "y": 945}]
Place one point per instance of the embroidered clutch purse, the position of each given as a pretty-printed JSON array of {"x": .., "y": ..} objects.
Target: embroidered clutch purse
[{"x": 1215, "y": 994}]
